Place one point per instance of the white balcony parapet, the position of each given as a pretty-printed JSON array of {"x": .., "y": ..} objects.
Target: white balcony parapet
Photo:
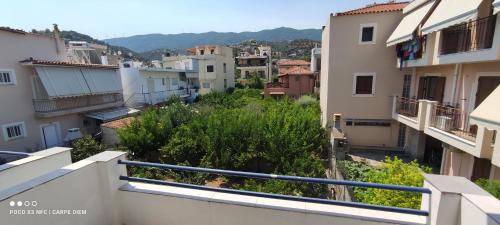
[
  {"x": 91, "y": 192},
  {"x": 33, "y": 165}
]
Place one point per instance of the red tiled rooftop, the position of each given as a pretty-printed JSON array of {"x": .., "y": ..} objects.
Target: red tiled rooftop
[
  {"x": 32, "y": 61},
  {"x": 299, "y": 70},
  {"x": 293, "y": 62},
  {"x": 376, "y": 8},
  {"x": 116, "y": 124}
]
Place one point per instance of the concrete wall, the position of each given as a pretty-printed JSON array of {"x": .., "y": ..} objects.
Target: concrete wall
[
  {"x": 343, "y": 57},
  {"x": 36, "y": 164},
  {"x": 154, "y": 205},
  {"x": 89, "y": 185}
]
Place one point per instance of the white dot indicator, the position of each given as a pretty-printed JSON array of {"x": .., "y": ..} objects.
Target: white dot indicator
[
  {"x": 12, "y": 203},
  {"x": 19, "y": 203}
]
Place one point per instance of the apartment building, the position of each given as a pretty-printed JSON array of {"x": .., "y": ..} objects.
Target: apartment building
[
  {"x": 213, "y": 67},
  {"x": 256, "y": 62},
  {"x": 450, "y": 51},
  {"x": 359, "y": 76},
  {"x": 152, "y": 85},
  {"x": 47, "y": 100}
]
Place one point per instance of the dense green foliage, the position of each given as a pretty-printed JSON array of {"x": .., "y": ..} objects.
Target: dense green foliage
[
  {"x": 491, "y": 186},
  {"x": 393, "y": 171},
  {"x": 238, "y": 131},
  {"x": 85, "y": 147}
]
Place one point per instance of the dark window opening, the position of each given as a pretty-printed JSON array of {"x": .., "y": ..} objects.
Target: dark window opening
[
  {"x": 364, "y": 85},
  {"x": 210, "y": 68},
  {"x": 367, "y": 34}
]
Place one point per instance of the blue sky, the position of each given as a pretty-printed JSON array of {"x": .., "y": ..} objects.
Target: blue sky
[{"x": 116, "y": 18}]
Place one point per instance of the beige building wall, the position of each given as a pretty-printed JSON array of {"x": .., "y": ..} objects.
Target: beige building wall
[
  {"x": 343, "y": 56},
  {"x": 16, "y": 99},
  {"x": 222, "y": 56}
]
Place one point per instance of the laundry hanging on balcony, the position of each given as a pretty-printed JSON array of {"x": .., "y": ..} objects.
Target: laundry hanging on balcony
[{"x": 410, "y": 50}]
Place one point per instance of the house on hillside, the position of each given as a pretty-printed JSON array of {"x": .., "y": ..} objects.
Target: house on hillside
[
  {"x": 255, "y": 62},
  {"x": 48, "y": 100},
  {"x": 294, "y": 80},
  {"x": 209, "y": 68}
]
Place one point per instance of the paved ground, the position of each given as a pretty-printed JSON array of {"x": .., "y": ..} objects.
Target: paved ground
[{"x": 376, "y": 157}]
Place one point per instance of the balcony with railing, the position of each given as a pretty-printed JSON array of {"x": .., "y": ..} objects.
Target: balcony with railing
[
  {"x": 408, "y": 112},
  {"x": 454, "y": 121},
  {"x": 100, "y": 190},
  {"x": 62, "y": 106},
  {"x": 470, "y": 36}
]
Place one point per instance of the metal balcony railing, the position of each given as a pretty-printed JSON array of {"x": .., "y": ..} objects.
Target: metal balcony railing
[
  {"x": 452, "y": 120},
  {"x": 407, "y": 107},
  {"x": 279, "y": 177},
  {"x": 277, "y": 85},
  {"x": 156, "y": 97},
  {"x": 470, "y": 36},
  {"x": 59, "y": 104}
]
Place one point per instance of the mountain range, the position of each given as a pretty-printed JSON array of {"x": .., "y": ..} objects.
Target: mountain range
[{"x": 149, "y": 42}]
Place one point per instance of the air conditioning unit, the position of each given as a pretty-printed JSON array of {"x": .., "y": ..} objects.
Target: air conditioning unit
[
  {"x": 443, "y": 123},
  {"x": 73, "y": 134}
]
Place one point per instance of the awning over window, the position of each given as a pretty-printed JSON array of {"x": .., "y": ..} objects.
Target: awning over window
[
  {"x": 409, "y": 24},
  {"x": 102, "y": 81},
  {"x": 487, "y": 111},
  {"x": 62, "y": 81},
  {"x": 449, "y": 13},
  {"x": 496, "y": 6}
]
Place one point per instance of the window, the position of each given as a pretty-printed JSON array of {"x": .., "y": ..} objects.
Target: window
[
  {"x": 212, "y": 51},
  {"x": 202, "y": 52},
  {"x": 364, "y": 85},
  {"x": 402, "y": 135},
  {"x": 7, "y": 77},
  {"x": 368, "y": 33},
  {"x": 262, "y": 74},
  {"x": 406, "y": 86},
  {"x": 224, "y": 67},
  {"x": 206, "y": 85},
  {"x": 13, "y": 131},
  {"x": 175, "y": 82},
  {"x": 210, "y": 69},
  {"x": 163, "y": 81},
  {"x": 367, "y": 123},
  {"x": 225, "y": 83}
]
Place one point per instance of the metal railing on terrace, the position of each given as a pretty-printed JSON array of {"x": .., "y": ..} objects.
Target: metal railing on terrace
[
  {"x": 470, "y": 36},
  {"x": 163, "y": 96},
  {"x": 407, "y": 107},
  {"x": 419, "y": 190},
  {"x": 277, "y": 85},
  {"x": 452, "y": 120},
  {"x": 59, "y": 104}
]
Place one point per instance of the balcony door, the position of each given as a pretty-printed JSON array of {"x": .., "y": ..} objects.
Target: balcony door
[
  {"x": 431, "y": 88},
  {"x": 485, "y": 86}
]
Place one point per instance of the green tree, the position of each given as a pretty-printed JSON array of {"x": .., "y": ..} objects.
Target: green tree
[
  {"x": 86, "y": 147},
  {"x": 394, "y": 171},
  {"x": 491, "y": 186}
]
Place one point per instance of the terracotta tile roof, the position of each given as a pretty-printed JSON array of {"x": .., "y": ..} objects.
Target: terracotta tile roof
[
  {"x": 376, "y": 8},
  {"x": 299, "y": 70},
  {"x": 32, "y": 61},
  {"x": 293, "y": 62},
  {"x": 116, "y": 124},
  {"x": 8, "y": 29}
]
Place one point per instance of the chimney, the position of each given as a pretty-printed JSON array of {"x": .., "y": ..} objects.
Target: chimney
[{"x": 57, "y": 36}]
